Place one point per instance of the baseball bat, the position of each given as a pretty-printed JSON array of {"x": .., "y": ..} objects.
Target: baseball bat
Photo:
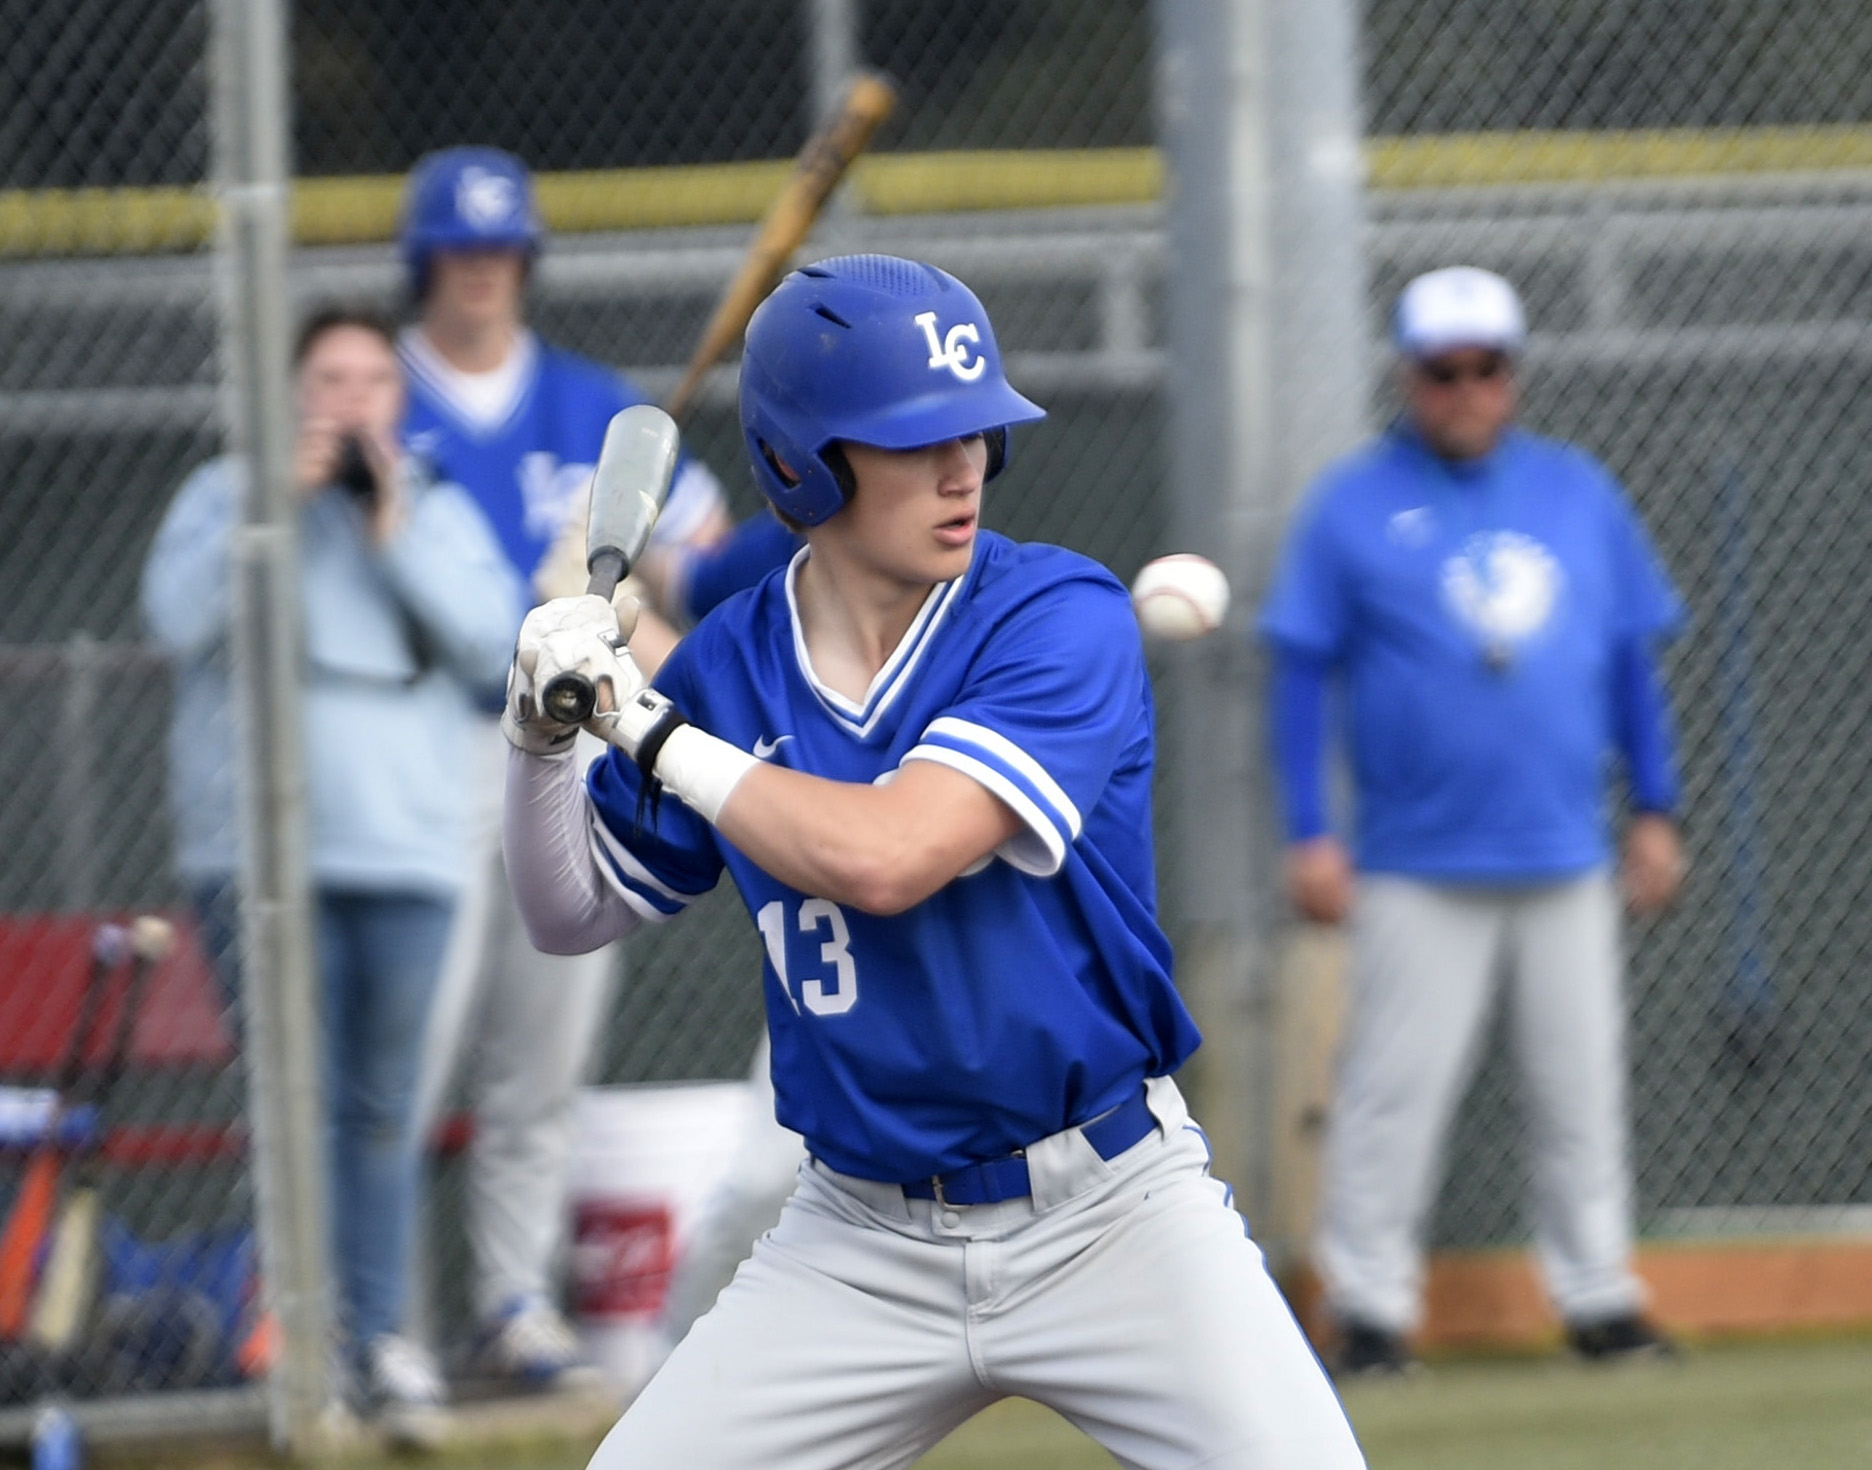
[
  {"x": 70, "y": 1275},
  {"x": 789, "y": 219},
  {"x": 628, "y": 486},
  {"x": 39, "y": 1188},
  {"x": 821, "y": 163},
  {"x": 1309, "y": 1018}
]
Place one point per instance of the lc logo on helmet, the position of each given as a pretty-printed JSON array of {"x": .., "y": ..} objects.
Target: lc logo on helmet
[
  {"x": 952, "y": 351},
  {"x": 486, "y": 199}
]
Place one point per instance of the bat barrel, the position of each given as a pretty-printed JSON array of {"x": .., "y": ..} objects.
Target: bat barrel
[{"x": 821, "y": 163}]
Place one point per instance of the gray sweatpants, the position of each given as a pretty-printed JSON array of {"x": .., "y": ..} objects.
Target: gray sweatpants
[
  {"x": 1426, "y": 958},
  {"x": 524, "y": 1024}
]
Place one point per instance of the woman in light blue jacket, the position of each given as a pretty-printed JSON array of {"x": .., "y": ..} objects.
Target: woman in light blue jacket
[{"x": 410, "y": 611}]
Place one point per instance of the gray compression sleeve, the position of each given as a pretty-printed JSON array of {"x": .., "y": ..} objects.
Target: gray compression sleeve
[{"x": 568, "y": 905}]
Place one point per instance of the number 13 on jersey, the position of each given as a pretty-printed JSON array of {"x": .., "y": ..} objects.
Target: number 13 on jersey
[{"x": 824, "y": 920}]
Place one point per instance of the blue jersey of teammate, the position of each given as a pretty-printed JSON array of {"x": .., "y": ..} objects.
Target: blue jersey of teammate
[
  {"x": 526, "y": 453},
  {"x": 1024, "y": 997}
]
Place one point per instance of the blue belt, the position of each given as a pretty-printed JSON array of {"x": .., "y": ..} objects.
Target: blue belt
[{"x": 1110, "y": 1134}]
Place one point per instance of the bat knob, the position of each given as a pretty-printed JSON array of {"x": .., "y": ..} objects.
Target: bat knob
[
  {"x": 569, "y": 698},
  {"x": 110, "y": 943}
]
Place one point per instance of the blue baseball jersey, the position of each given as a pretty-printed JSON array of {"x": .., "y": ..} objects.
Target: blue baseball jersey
[
  {"x": 1028, "y": 995},
  {"x": 528, "y": 471},
  {"x": 1473, "y": 612}
]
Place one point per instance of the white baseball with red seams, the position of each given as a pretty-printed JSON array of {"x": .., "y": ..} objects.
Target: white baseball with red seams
[{"x": 1180, "y": 597}]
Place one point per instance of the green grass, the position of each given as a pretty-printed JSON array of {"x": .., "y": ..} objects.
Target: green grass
[
  {"x": 1789, "y": 1405},
  {"x": 1763, "y": 1406}
]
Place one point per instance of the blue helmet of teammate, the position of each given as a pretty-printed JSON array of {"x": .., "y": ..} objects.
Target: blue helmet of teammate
[
  {"x": 466, "y": 199},
  {"x": 873, "y": 350}
]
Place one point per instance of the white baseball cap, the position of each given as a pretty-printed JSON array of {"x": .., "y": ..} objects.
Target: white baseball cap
[{"x": 1459, "y": 306}]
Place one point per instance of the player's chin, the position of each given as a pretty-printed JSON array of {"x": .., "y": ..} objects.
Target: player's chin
[{"x": 953, "y": 547}]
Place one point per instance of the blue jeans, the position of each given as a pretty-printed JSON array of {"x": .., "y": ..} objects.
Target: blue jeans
[{"x": 379, "y": 955}]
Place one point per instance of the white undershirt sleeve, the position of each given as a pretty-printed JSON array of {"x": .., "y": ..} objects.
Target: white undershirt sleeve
[{"x": 562, "y": 895}]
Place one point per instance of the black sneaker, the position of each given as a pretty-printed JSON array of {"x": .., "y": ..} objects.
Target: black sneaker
[
  {"x": 1364, "y": 1351},
  {"x": 1627, "y": 1339}
]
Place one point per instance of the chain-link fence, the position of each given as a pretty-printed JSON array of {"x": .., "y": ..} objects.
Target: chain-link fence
[
  {"x": 123, "y": 1074},
  {"x": 1673, "y": 186}
]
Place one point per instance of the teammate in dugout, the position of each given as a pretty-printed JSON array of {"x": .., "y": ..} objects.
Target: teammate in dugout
[
  {"x": 1490, "y": 606},
  {"x": 923, "y": 755},
  {"x": 518, "y": 423}
]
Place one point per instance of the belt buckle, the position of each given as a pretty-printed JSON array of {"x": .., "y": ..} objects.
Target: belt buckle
[{"x": 936, "y": 1184}]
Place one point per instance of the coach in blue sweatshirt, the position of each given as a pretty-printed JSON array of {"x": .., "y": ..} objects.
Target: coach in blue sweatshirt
[{"x": 1486, "y": 607}]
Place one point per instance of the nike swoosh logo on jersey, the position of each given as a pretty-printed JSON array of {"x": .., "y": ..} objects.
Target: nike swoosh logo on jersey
[{"x": 765, "y": 748}]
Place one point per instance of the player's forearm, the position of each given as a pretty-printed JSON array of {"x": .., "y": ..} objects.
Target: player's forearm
[
  {"x": 854, "y": 844},
  {"x": 832, "y": 839},
  {"x": 567, "y": 905},
  {"x": 881, "y": 847},
  {"x": 878, "y": 848}
]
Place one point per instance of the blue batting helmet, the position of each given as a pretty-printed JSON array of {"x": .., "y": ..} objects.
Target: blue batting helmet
[
  {"x": 466, "y": 199},
  {"x": 874, "y": 350}
]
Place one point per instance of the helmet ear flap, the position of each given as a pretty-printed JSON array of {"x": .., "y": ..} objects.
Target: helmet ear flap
[
  {"x": 837, "y": 462},
  {"x": 997, "y": 441},
  {"x": 774, "y": 463}
]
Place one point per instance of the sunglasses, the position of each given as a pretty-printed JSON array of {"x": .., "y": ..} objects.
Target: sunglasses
[{"x": 1484, "y": 370}]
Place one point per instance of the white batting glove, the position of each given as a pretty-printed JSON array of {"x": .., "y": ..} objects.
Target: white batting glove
[{"x": 569, "y": 635}]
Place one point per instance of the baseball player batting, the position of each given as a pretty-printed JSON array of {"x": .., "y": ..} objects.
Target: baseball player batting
[{"x": 923, "y": 755}]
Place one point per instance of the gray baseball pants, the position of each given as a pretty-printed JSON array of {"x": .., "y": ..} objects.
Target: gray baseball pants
[
  {"x": 1426, "y": 959},
  {"x": 742, "y": 1208},
  {"x": 1125, "y": 1294}
]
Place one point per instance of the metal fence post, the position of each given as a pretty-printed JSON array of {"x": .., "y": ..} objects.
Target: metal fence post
[
  {"x": 1320, "y": 398},
  {"x": 1216, "y": 135},
  {"x": 1261, "y": 131},
  {"x": 76, "y": 783},
  {"x": 282, "y": 1028},
  {"x": 833, "y": 52}
]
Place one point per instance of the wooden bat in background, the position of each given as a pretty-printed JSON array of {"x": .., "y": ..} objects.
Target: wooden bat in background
[
  {"x": 1309, "y": 1016},
  {"x": 39, "y": 1188},
  {"x": 789, "y": 219},
  {"x": 71, "y": 1269}
]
